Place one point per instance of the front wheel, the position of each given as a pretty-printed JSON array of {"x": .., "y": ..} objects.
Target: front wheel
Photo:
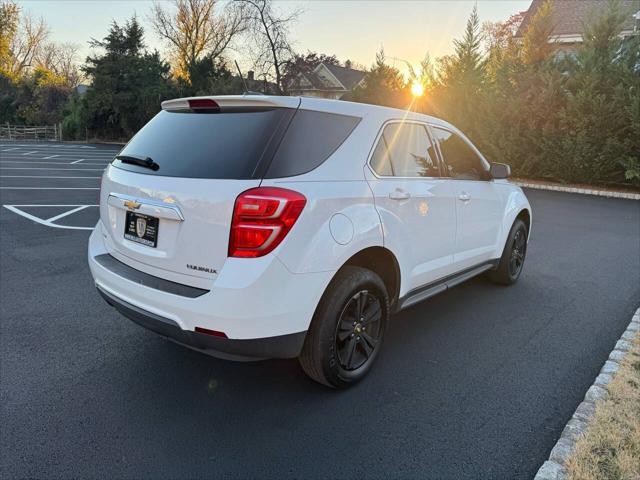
[
  {"x": 513, "y": 255},
  {"x": 346, "y": 332}
]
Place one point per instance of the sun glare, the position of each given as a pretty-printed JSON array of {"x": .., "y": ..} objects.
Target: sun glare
[{"x": 417, "y": 90}]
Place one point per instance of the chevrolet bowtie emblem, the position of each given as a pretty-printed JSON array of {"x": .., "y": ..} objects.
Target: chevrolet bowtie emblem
[{"x": 132, "y": 204}]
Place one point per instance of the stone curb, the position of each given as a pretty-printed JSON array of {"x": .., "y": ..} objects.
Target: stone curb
[
  {"x": 554, "y": 468},
  {"x": 585, "y": 191}
]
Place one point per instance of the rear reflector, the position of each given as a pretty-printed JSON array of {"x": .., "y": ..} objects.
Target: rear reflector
[
  {"x": 213, "y": 333},
  {"x": 262, "y": 217}
]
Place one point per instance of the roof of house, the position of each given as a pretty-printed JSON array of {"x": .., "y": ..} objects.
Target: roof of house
[
  {"x": 570, "y": 16},
  {"x": 349, "y": 77}
]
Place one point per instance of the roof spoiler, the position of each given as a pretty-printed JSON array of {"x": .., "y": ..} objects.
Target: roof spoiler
[{"x": 229, "y": 103}]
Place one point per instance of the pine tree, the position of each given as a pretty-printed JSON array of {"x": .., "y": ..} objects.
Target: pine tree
[{"x": 128, "y": 83}]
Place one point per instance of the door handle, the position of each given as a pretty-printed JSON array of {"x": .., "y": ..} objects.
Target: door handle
[
  {"x": 399, "y": 195},
  {"x": 464, "y": 196}
]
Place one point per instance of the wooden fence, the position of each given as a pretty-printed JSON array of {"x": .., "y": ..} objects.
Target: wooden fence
[{"x": 22, "y": 132}]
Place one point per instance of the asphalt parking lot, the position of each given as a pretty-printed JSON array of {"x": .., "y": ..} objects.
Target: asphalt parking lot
[{"x": 475, "y": 383}]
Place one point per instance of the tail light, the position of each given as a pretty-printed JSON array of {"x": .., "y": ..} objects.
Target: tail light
[
  {"x": 203, "y": 105},
  {"x": 262, "y": 217}
]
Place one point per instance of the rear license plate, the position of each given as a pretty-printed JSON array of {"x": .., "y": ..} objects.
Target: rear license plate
[{"x": 141, "y": 229}]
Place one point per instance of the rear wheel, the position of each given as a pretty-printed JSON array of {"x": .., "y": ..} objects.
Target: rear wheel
[
  {"x": 347, "y": 329},
  {"x": 512, "y": 260}
]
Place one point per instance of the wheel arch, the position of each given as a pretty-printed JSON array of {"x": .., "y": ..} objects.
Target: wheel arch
[
  {"x": 384, "y": 263},
  {"x": 525, "y": 216}
]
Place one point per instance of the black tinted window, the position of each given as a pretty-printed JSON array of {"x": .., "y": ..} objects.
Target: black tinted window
[
  {"x": 205, "y": 145},
  {"x": 310, "y": 139},
  {"x": 461, "y": 161},
  {"x": 405, "y": 150}
]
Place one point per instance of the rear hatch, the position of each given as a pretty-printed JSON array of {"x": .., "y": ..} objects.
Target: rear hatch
[{"x": 167, "y": 199}]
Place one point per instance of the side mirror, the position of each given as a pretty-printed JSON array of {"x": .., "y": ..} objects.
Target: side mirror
[{"x": 500, "y": 170}]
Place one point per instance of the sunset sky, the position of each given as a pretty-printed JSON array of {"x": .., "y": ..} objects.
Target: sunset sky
[{"x": 349, "y": 29}]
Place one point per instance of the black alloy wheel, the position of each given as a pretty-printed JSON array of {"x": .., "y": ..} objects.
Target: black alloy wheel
[
  {"x": 347, "y": 330},
  {"x": 358, "y": 330},
  {"x": 518, "y": 251},
  {"x": 511, "y": 263}
]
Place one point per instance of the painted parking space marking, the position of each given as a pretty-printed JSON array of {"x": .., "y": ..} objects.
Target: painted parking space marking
[
  {"x": 49, "y": 222},
  {"x": 49, "y": 188},
  {"x": 64, "y": 214},
  {"x": 39, "y": 176},
  {"x": 66, "y": 174},
  {"x": 49, "y": 163},
  {"x": 59, "y": 158},
  {"x": 44, "y": 145},
  {"x": 44, "y": 156},
  {"x": 54, "y": 169}
]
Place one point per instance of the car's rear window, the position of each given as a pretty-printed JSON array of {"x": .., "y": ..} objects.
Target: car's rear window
[
  {"x": 238, "y": 145},
  {"x": 203, "y": 145}
]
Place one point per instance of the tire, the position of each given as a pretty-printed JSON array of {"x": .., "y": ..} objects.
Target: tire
[
  {"x": 513, "y": 256},
  {"x": 339, "y": 350}
]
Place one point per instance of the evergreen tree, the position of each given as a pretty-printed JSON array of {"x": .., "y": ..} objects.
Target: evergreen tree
[
  {"x": 382, "y": 85},
  {"x": 458, "y": 95},
  {"x": 128, "y": 83}
]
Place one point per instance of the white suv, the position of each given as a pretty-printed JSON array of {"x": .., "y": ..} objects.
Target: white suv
[{"x": 251, "y": 227}]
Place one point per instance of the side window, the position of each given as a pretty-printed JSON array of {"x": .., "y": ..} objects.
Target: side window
[
  {"x": 405, "y": 150},
  {"x": 460, "y": 160},
  {"x": 303, "y": 148}
]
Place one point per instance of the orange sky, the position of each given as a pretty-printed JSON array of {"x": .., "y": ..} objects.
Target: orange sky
[{"x": 349, "y": 29}]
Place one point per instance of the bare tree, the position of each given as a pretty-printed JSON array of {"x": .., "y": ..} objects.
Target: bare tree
[
  {"x": 270, "y": 35},
  {"x": 22, "y": 37},
  {"x": 60, "y": 59},
  {"x": 195, "y": 28}
]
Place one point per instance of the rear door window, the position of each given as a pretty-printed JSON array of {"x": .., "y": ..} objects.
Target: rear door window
[{"x": 405, "y": 150}]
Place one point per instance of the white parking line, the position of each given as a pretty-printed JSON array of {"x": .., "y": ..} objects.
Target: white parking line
[
  {"x": 47, "y": 145},
  {"x": 9, "y": 149},
  {"x": 61, "y": 160},
  {"x": 77, "y": 161},
  {"x": 48, "y": 163},
  {"x": 39, "y": 176},
  {"x": 53, "y": 169},
  {"x": 64, "y": 145},
  {"x": 51, "y": 205},
  {"x": 64, "y": 214},
  {"x": 29, "y": 153},
  {"x": 68, "y": 156},
  {"x": 50, "y": 156},
  {"x": 49, "y": 222}
]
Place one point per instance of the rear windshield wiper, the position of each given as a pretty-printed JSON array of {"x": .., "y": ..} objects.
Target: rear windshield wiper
[{"x": 142, "y": 161}]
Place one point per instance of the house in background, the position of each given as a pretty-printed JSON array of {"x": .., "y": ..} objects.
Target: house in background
[
  {"x": 570, "y": 16},
  {"x": 326, "y": 81},
  {"x": 260, "y": 86}
]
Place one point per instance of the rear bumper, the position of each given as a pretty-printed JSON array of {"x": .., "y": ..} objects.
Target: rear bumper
[
  {"x": 282, "y": 346},
  {"x": 263, "y": 309}
]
